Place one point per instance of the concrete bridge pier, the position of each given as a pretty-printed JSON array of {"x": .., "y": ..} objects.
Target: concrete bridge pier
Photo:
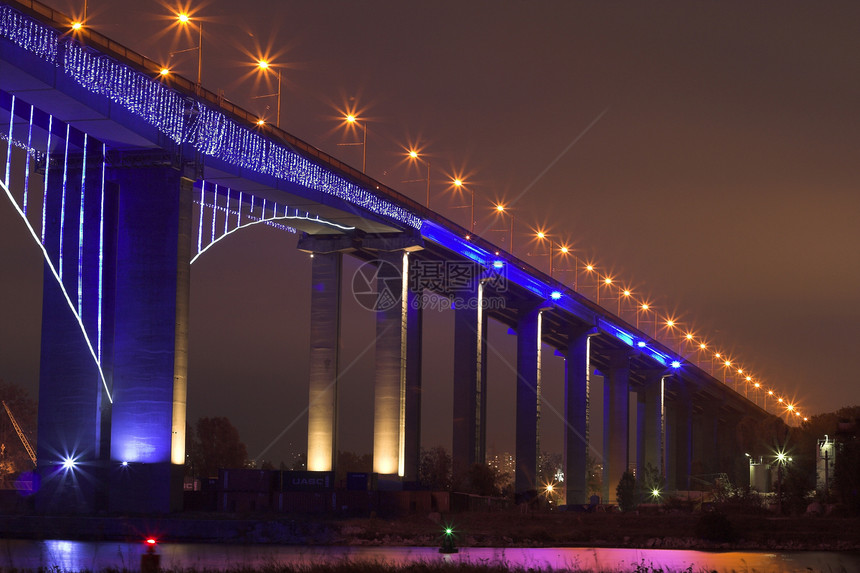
[
  {"x": 151, "y": 338},
  {"x": 577, "y": 388},
  {"x": 679, "y": 438},
  {"x": 470, "y": 378},
  {"x": 73, "y": 449},
  {"x": 616, "y": 422},
  {"x": 397, "y": 390},
  {"x": 649, "y": 423},
  {"x": 326, "y": 270},
  {"x": 706, "y": 446},
  {"x": 528, "y": 401}
]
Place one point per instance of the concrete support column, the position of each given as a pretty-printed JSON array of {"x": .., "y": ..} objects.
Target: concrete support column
[
  {"x": 326, "y": 271},
  {"x": 616, "y": 421},
  {"x": 577, "y": 388},
  {"x": 528, "y": 401},
  {"x": 707, "y": 447},
  {"x": 397, "y": 391},
  {"x": 679, "y": 438},
  {"x": 649, "y": 424},
  {"x": 151, "y": 338},
  {"x": 74, "y": 404},
  {"x": 470, "y": 379}
]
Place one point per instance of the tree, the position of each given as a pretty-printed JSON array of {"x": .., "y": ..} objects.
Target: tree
[
  {"x": 14, "y": 458},
  {"x": 434, "y": 469},
  {"x": 625, "y": 493},
  {"x": 217, "y": 445},
  {"x": 481, "y": 479}
]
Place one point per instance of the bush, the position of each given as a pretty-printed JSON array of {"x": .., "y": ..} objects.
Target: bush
[{"x": 715, "y": 527}]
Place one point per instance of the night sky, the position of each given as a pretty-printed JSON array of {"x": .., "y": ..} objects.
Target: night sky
[{"x": 703, "y": 153}]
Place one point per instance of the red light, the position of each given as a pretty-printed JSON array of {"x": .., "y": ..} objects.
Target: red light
[{"x": 151, "y": 541}]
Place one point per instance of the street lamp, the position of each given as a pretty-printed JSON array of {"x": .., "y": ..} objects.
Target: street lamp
[
  {"x": 265, "y": 66},
  {"x": 352, "y": 120},
  {"x": 185, "y": 19},
  {"x": 414, "y": 156},
  {"x": 459, "y": 184},
  {"x": 500, "y": 210}
]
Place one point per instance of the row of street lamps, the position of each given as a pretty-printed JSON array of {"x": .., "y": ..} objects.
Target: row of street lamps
[{"x": 555, "y": 251}]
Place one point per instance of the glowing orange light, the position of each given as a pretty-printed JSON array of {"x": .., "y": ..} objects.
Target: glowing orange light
[
  {"x": 589, "y": 267},
  {"x": 717, "y": 355},
  {"x": 749, "y": 379},
  {"x": 702, "y": 346},
  {"x": 645, "y": 306},
  {"x": 413, "y": 154},
  {"x": 457, "y": 182},
  {"x": 770, "y": 392},
  {"x": 564, "y": 250},
  {"x": 263, "y": 64},
  {"x": 757, "y": 385},
  {"x": 468, "y": 237},
  {"x": 626, "y": 293},
  {"x": 261, "y": 121},
  {"x": 670, "y": 323},
  {"x": 789, "y": 407},
  {"x": 780, "y": 400},
  {"x": 607, "y": 280},
  {"x": 77, "y": 26},
  {"x": 164, "y": 71},
  {"x": 350, "y": 118},
  {"x": 740, "y": 371},
  {"x": 688, "y": 336},
  {"x": 540, "y": 235},
  {"x": 728, "y": 363},
  {"x": 500, "y": 208},
  {"x": 183, "y": 17}
]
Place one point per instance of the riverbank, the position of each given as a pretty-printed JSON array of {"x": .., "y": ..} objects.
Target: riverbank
[{"x": 471, "y": 529}]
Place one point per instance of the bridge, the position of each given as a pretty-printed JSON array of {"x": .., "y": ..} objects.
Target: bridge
[{"x": 124, "y": 176}]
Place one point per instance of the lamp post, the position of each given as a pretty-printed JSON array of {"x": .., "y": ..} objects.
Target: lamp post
[
  {"x": 500, "y": 210},
  {"x": 459, "y": 184},
  {"x": 265, "y": 66},
  {"x": 352, "y": 120},
  {"x": 185, "y": 19},
  {"x": 413, "y": 155}
]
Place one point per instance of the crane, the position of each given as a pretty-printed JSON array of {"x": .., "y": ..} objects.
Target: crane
[{"x": 21, "y": 435}]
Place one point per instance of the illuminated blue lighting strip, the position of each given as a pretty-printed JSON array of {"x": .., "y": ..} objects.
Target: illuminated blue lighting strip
[
  {"x": 239, "y": 211},
  {"x": 460, "y": 245},
  {"x": 27, "y": 164},
  {"x": 214, "y": 210},
  {"x": 101, "y": 249},
  {"x": 62, "y": 288},
  {"x": 47, "y": 174},
  {"x": 81, "y": 231},
  {"x": 63, "y": 199},
  {"x": 227, "y": 219},
  {"x": 28, "y": 34},
  {"x": 157, "y": 104},
  {"x": 200, "y": 223},
  {"x": 9, "y": 143}
]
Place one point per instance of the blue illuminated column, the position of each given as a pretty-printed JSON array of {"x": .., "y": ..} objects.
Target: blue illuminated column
[
  {"x": 74, "y": 406},
  {"x": 470, "y": 378},
  {"x": 397, "y": 388},
  {"x": 616, "y": 421},
  {"x": 649, "y": 422},
  {"x": 151, "y": 340},
  {"x": 679, "y": 437},
  {"x": 577, "y": 386},
  {"x": 528, "y": 400}
]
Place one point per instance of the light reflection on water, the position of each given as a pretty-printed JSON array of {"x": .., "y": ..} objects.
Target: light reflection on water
[{"x": 94, "y": 556}]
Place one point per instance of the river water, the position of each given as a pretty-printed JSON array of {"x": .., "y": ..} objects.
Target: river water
[{"x": 94, "y": 556}]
